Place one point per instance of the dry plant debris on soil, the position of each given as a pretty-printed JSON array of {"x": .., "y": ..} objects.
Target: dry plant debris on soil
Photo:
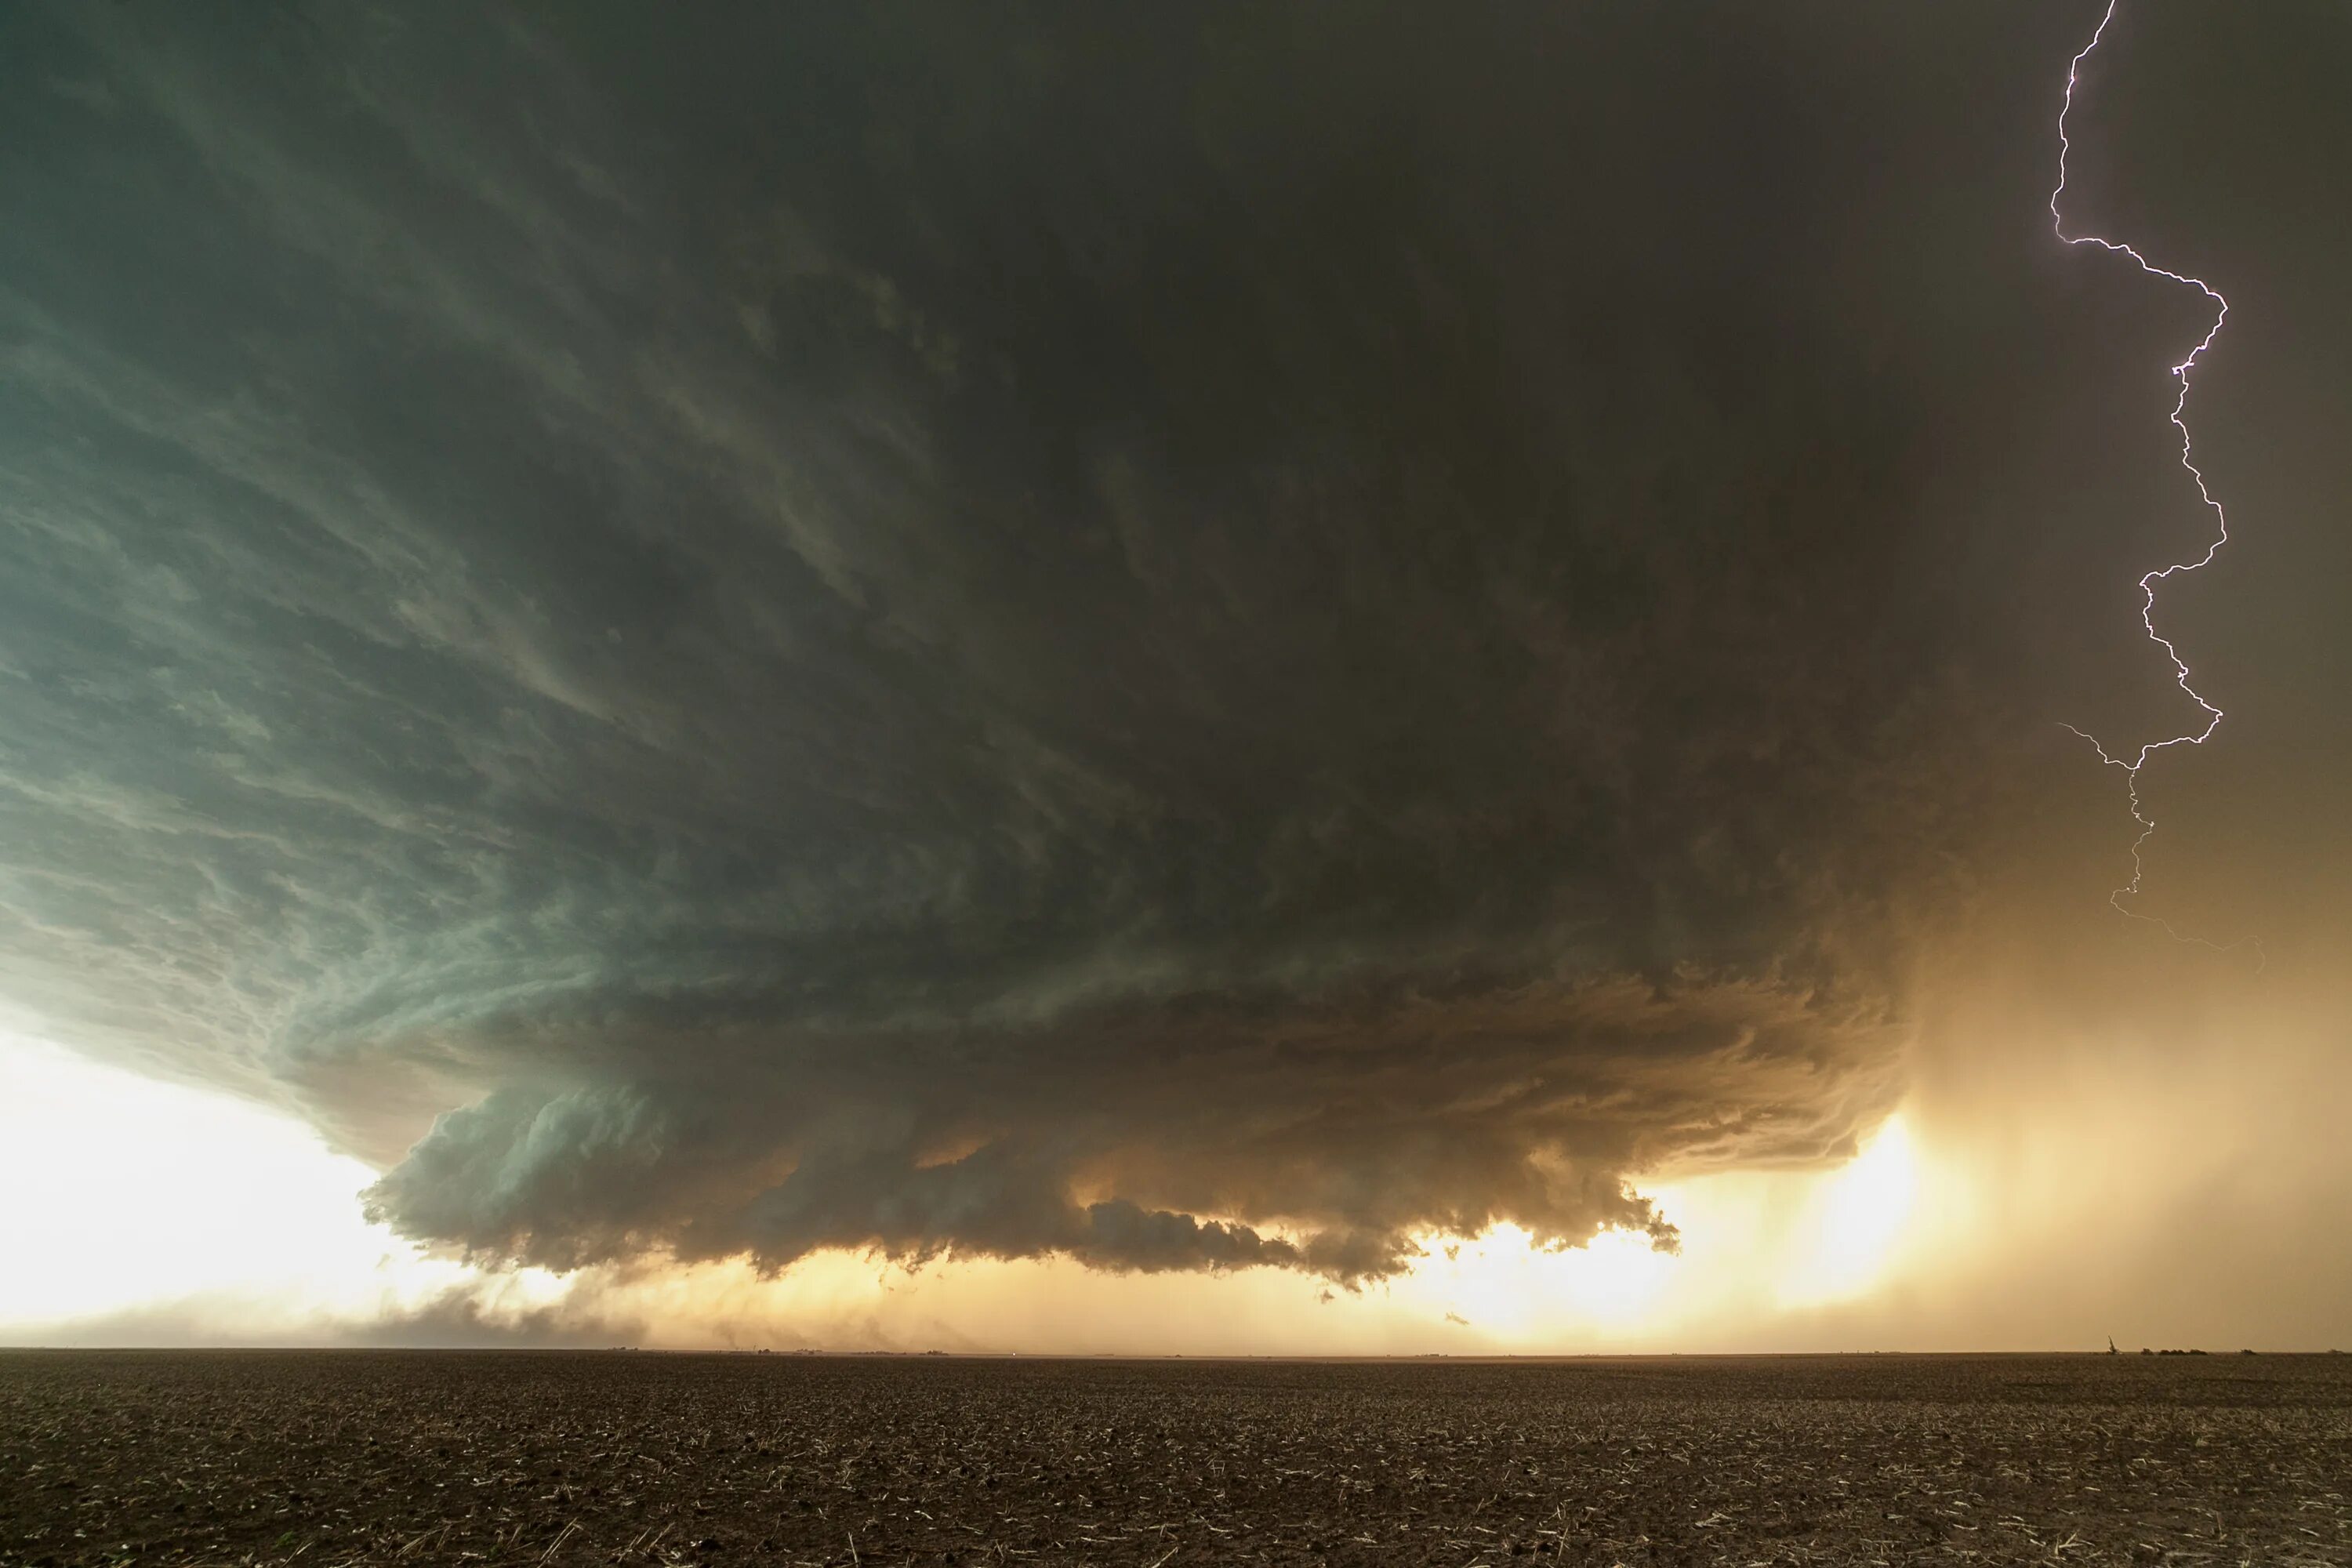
[{"x": 547, "y": 1458}]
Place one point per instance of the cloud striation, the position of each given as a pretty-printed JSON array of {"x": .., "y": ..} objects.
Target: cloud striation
[{"x": 1172, "y": 640}]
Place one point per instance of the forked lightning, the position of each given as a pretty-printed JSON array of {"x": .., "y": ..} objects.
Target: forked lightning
[{"x": 2132, "y": 763}]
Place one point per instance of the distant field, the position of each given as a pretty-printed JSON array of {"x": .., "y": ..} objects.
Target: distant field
[{"x": 563, "y": 1457}]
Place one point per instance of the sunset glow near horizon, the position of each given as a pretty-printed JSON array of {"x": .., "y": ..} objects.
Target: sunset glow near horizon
[{"x": 165, "y": 1213}]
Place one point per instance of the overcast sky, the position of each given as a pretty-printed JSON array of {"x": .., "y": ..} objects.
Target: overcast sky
[{"x": 1199, "y": 648}]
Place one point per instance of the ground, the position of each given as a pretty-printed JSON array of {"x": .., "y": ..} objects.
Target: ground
[{"x": 562, "y": 1458}]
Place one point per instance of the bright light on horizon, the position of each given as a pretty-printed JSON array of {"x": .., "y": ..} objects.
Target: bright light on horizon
[
  {"x": 1503, "y": 1285},
  {"x": 1856, "y": 1221},
  {"x": 167, "y": 1210},
  {"x": 127, "y": 1192}
]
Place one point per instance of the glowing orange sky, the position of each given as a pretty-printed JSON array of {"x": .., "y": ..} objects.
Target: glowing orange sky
[{"x": 143, "y": 1212}]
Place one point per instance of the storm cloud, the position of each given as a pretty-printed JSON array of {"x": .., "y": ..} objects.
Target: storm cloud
[{"x": 1194, "y": 640}]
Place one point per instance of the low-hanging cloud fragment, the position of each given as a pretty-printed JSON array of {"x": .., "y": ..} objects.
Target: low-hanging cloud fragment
[{"x": 1055, "y": 675}]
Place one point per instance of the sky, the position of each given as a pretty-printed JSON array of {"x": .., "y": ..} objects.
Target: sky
[{"x": 1152, "y": 680}]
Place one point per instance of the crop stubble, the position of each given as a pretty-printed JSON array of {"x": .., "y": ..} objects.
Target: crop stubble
[{"x": 560, "y": 1457}]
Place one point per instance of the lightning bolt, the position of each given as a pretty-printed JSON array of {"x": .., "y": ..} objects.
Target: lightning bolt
[{"x": 2132, "y": 763}]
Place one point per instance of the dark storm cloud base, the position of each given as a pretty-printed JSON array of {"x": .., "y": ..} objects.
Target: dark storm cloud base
[
  {"x": 563, "y": 1457},
  {"x": 1190, "y": 641}
]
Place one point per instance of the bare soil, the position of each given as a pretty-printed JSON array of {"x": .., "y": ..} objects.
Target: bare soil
[{"x": 556, "y": 1457}]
